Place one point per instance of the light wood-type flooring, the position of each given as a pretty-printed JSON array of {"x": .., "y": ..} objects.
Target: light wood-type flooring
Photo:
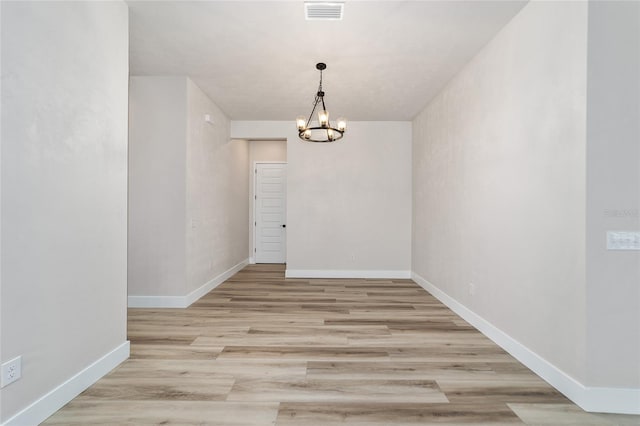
[{"x": 264, "y": 350}]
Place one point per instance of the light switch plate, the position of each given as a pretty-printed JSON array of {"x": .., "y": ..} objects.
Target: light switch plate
[{"x": 623, "y": 240}]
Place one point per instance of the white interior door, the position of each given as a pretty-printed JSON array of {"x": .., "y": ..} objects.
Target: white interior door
[{"x": 271, "y": 213}]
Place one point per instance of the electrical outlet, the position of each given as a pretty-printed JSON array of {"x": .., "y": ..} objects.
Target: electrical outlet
[
  {"x": 472, "y": 289},
  {"x": 11, "y": 371}
]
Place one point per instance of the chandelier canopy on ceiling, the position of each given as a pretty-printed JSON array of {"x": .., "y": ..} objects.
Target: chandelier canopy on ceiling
[{"x": 322, "y": 131}]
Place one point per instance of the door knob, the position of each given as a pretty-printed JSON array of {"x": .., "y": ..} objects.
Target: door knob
[{"x": 284, "y": 226}]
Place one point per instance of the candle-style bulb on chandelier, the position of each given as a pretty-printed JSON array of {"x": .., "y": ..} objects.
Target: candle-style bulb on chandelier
[{"x": 323, "y": 131}]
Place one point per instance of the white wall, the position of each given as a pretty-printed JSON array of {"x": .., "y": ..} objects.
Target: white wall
[
  {"x": 613, "y": 194},
  {"x": 64, "y": 199},
  {"x": 499, "y": 184},
  {"x": 217, "y": 193},
  {"x": 349, "y": 202},
  {"x": 157, "y": 188},
  {"x": 188, "y": 192},
  {"x": 268, "y": 151},
  {"x": 521, "y": 165}
]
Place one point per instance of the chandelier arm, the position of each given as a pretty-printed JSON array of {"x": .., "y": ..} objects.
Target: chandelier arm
[{"x": 315, "y": 104}]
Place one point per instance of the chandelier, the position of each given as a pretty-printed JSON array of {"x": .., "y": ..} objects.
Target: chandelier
[{"x": 323, "y": 131}]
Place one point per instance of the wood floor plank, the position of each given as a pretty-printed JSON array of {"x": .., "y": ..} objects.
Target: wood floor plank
[
  {"x": 436, "y": 339},
  {"x": 160, "y": 351},
  {"x": 307, "y": 414},
  {"x": 261, "y": 349},
  {"x": 188, "y": 388},
  {"x": 184, "y": 369},
  {"x": 500, "y": 391},
  {"x": 304, "y": 353},
  {"x": 398, "y": 370},
  {"x": 184, "y": 413},
  {"x": 338, "y": 390},
  {"x": 270, "y": 340},
  {"x": 337, "y": 330}
]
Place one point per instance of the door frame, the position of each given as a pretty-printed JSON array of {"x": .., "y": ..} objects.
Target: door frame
[{"x": 254, "y": 177}]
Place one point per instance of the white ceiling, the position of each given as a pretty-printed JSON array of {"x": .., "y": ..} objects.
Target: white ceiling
[{"x": 256, "y": 59}]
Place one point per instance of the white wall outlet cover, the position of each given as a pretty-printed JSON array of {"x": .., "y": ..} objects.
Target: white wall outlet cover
[
  {"x": 208, "y": 119},
  {"x": 11, "y": 371}
]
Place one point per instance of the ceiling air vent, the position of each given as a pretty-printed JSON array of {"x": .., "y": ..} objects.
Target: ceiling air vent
[{"x": 323, "y": 11}]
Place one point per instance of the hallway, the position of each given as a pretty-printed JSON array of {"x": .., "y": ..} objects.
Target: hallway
[{"x": 263, "y": 350}]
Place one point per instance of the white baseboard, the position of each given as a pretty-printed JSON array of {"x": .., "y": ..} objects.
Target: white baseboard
[
  {"x": 184, "y": 301},
  {"x": 206, "y": 288},
  {"x": 329, "y": 273},
  {"x": 44, "y": 407},
  {"x": 592, "y": 399},
  {"x": 252, "y": 261},
  {"x": 610, "y": 400}
]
